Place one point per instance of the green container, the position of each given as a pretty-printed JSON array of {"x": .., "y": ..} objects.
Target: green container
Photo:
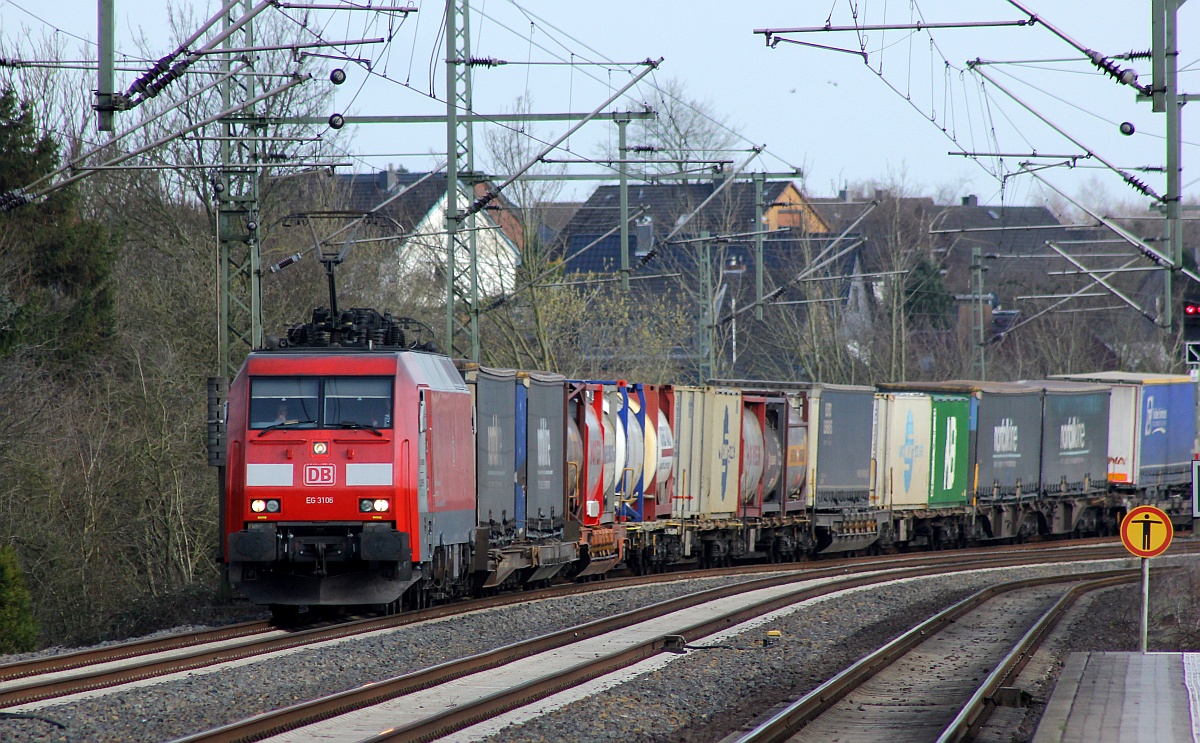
[{"x": 951, "y": 451}]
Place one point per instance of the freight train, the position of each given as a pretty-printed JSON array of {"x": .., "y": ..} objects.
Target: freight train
[{"x": 362, "y": 468}]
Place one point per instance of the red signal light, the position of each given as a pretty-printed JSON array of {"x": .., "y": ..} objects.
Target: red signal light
[{"x": 1190, "y": 309}]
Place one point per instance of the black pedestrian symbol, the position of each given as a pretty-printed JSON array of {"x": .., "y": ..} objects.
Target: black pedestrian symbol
[{"x": 1147, "y": 524}]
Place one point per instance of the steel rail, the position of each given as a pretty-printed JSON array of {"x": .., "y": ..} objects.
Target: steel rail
[
  {"x": 975, "y": 713},
  {"x": 786, "y": 722},
  {"x": 310, "y": 633},
  {"x": 109, "y": 653},
  {"x": 306, "y": 635},
  {"x": 306, "y": 713},
  {"x": 129, "y": 650}
]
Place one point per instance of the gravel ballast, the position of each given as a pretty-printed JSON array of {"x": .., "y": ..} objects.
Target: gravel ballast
[
  {"x": 699, "y": 697},
  {"x": 174, "y": 709},
  {"x": 705, "y": 695}
]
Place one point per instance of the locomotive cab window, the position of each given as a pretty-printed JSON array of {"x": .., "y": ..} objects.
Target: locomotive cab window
[
  {"x": 358, "y": 401},
  {"x": 286, "y": 402}
]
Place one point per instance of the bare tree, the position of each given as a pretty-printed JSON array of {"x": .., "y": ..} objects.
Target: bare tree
[{"x": 688, "y": 134}]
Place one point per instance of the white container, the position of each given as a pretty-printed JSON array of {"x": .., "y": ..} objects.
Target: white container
[{"x": 903, "y": 431}]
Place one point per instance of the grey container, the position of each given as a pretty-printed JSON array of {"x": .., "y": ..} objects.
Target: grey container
[
  {"x": 844, "y": 419},
  {"x": 1074, "y": 437},
  {"x": 1008, "y": 440},
  {"x": 545, "y": 459},
  {"x": 495, "y": 447},
  {"x": 1006, "y": 435}
]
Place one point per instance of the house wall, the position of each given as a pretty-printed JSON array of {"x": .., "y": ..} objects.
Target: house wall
[
  {"x": 791, "y": 210},
  {"x": 498, "y": 257}
]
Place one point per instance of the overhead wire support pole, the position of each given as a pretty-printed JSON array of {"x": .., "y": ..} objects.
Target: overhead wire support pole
[
  {"x": 818, "y": 262},
  {"x": 978, "y": 316},
  {"x": 239, "y": 307},
  {"x": 759, "y": 183},
  {"x": 1174, "y": 136},
  {"x": 452, "y": 154},
  {"x": 622, "y": 124},
  {"x": 105, "y": 48}
]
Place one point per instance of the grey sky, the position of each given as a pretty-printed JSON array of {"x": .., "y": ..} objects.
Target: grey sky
[{"x": 822, "y": 110}]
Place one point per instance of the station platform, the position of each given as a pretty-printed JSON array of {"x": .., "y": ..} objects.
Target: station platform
[{"x": 1124, "y": 698}]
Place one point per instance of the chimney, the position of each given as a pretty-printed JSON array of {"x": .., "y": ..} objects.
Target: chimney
[
  {"x": 843, "y": 195},
  {"x": 971, "y": 200},
  {"x": 392, "y": 181},
  {"x": 881, "y": 194}
]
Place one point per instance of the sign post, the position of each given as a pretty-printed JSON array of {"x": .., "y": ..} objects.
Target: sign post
[{"x": 1146, "y": 532}]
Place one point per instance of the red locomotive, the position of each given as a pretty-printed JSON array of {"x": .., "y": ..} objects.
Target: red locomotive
[{"x": 349, "y": 476}]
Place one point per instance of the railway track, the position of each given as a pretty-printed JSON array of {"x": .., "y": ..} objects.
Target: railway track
[
  {"x": 922, "y": 686},
  {"x": 437, "y": 701},
  {"x": 56, "y": 676}
]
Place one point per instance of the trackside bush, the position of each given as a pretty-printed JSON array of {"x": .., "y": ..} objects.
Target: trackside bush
[{"x": 18, "y": 630}]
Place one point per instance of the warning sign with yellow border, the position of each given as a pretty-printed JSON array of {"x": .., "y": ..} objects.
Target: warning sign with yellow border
[{"x": 1146, "y": 531}]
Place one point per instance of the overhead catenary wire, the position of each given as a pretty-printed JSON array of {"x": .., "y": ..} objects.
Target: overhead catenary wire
[
  {"x": 76, "y": 162},
  {"x": 818, "y": 263},
  {"x": 715, "y": 122},
  {"x": 493, "y": 193},
  {"x": 372, "y": 71},
  {"x": 1130, "y": 179},
  {"x": 22, "y": 196},
  {"x": 155, "y": 80},
  {"x": 649, "y": 256}
]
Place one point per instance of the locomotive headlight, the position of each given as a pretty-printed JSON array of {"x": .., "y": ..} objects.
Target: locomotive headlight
[
  {"x": 272, "y": 506},
  {"x": 365, "y": 506},
  {"x": 258, "y": 506},
  {"x": 381, "y": 505},
  {"x": 320, "y": 447}
]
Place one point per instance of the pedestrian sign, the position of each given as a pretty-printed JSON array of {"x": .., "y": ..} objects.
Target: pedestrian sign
[{"x": 1146, "y": 531}]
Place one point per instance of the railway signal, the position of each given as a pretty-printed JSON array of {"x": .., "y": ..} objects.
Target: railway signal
[{"x": 1191, "y": 321}]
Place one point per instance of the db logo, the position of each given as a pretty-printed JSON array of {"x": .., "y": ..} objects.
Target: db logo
[{"x": 320, "y": 474}]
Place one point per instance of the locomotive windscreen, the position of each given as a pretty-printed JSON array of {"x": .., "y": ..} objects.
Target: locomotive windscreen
[
  {"x": 311, "y": 402},
  {"x": 364, "y": 401},
  {"x": 284, "y": 401}
]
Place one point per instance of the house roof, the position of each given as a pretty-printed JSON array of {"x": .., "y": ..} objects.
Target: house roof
[
  {"x": 367, "y": 191},
  {"x": 732, "y": 210},
  {"x": 421, "y": 193}
]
